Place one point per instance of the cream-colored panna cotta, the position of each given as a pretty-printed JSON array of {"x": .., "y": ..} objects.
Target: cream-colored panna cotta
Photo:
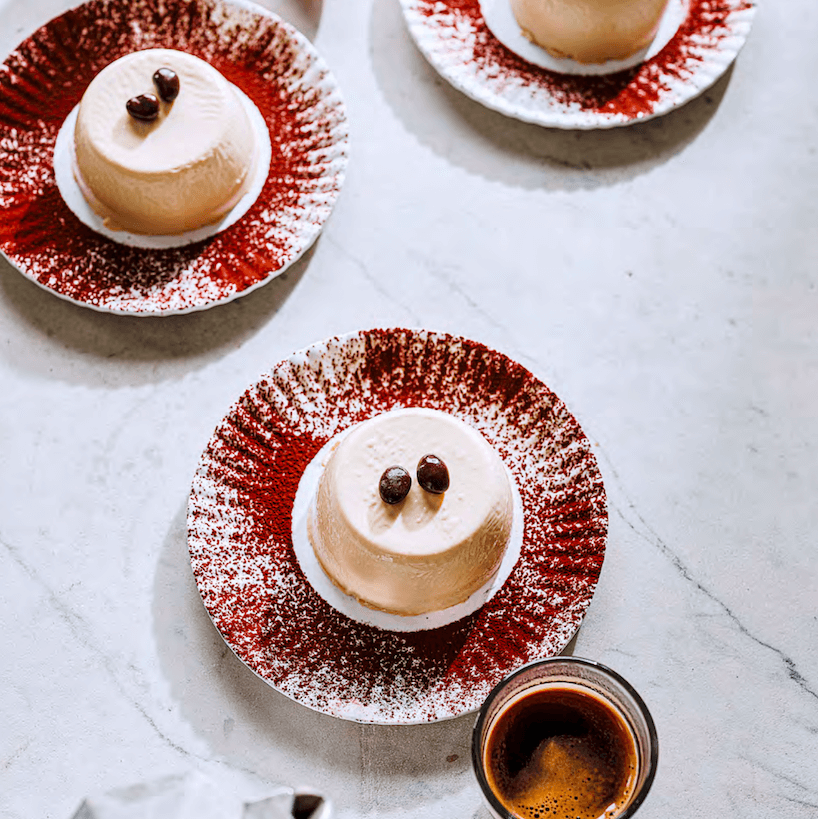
[
  {"x": 427, "y": 551},
  {"x": 185, "y": 168},
  {"x": 589, "y": 31}
]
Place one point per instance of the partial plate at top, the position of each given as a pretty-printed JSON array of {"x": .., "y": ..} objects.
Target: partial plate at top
[
  {"x": 240, "y": 528},
  {"x": 267, "y": 59},
  {"x": 456, "y": 38}
]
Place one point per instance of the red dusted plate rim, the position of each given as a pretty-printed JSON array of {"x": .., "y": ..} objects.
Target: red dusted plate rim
[
  {"x": 274, "y": 65},
  {"x": 457, "y": 41},
  {"x": 240, "y": 527}
]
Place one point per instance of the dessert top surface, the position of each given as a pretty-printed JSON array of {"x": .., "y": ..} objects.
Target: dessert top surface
[
  {"x": 424, "y": 523},
  {"x": 189, "y": 127}
]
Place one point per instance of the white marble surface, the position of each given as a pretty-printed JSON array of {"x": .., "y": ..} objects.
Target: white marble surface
[{"x": 661, "y": 279}]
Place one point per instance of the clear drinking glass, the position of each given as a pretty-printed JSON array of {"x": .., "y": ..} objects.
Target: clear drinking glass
[{"x": 583, "y": 676}]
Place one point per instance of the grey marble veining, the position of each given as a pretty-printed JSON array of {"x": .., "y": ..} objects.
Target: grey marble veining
[{"x": 661, "y": 279}]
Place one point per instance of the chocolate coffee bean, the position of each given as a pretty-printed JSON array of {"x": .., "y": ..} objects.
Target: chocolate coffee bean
[
  {"x": 145, "y": 107},
  {"x": 433, "y": 475},
  {"x": 166, "y": 81},
  {"x": 394, "y": 485}
]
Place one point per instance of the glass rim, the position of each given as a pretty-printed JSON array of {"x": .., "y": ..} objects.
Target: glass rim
[{"x": 482, "y": 717}]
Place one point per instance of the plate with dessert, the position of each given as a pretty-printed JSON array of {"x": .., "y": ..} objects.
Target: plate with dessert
[
  {"x": 387, "y": 523},
  {"x": 580, "y": 64},
  {"x": 163, "y": 157}
]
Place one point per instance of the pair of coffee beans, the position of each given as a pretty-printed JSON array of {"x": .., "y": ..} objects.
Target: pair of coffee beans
[
  {"x": 432, "y": 475},
  {"x": 145, "y": 107}
]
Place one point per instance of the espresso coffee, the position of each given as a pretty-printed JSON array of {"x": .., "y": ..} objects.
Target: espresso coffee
[{"x": 560, "y": 752}]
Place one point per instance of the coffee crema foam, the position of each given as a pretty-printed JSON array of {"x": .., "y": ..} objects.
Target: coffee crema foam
[{"x": 560, "y": 752}]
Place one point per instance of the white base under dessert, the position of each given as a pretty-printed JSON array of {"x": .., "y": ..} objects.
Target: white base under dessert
[
  {"x": 503, "y": 25},
  {"x": 351, "y": 607},
  {"x": 79, "y": 206}
]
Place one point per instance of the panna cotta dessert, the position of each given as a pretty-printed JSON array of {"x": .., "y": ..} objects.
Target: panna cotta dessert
[
  {"x": 589, "y": 31},
  {"x": 413, "y": 512},
  {"x": 162, "y": 143}
]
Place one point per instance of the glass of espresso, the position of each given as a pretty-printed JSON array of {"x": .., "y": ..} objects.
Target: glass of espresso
[{"x": 564, "y": 738}]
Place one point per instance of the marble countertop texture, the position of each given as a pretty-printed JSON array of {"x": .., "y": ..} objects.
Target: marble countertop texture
[{"x": 660, "y": 278}]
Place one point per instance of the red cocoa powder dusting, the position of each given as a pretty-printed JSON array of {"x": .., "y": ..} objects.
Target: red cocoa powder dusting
[
  {"x": 633, "y": 93},
  {"x": 45, "y": 77},
  {"x": 240, "y": 527}
]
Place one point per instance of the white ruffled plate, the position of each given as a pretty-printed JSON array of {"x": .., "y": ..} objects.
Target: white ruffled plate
[
  {"x": 332, "y": 659},
  {"x": 276, "y": 67},
  {"x": 509, "y": 75}
]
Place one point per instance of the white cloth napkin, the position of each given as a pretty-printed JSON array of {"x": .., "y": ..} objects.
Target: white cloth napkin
[{"x": 193, "y": 796}]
